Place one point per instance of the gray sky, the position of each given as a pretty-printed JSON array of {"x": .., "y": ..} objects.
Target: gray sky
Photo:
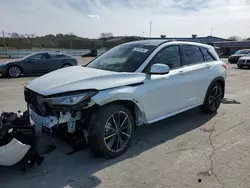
[{"x": 89, "y": 18}]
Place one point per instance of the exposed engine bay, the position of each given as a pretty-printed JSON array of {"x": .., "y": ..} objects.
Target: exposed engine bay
[{"x": 71, "y": 122}]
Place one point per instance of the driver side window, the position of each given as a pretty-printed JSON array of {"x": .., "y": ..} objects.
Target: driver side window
[{"x": 169, "y": 56}]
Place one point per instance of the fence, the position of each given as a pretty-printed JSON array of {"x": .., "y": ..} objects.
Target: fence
[{"x": 13, "y": 53}]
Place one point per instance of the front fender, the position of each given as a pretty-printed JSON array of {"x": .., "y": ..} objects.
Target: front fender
[{"x": 126, "y": 93}]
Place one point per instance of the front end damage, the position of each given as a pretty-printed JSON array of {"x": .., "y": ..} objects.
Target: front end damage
[{"x": 54, "y": 118}]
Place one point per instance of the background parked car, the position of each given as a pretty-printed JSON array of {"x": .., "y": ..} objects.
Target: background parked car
[
  {"x": 41, "y": 62},
  {"x": 244, "y": 61},
  {"x": 235, "y": 57}
]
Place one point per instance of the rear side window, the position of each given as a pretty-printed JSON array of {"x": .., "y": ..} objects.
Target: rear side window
[
  {"x": 56, "y": 56},
  {"x": 208, "y": 57},
  {"x": 192, "y": 54}
]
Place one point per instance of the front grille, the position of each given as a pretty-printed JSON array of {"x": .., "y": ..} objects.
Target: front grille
[
  {"x": 36, "y": 102},
  {"x": 248, "y": 61}
]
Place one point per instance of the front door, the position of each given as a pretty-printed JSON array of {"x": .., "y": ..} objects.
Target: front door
[
  {"x": 35, "y": 64},
  {"x": 164, "y": 94}
]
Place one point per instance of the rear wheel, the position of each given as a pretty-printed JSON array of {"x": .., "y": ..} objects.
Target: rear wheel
[
  {"x": 111, "y": 130},
  {"x": 14, "y": 71},
  {"x": 213, "y": 99},
  {"x": 66, "y": 65},
  {"x": 239, "y": 66}
]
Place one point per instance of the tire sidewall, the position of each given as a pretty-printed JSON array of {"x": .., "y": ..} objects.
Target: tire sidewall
[
  {"x": 207, "y": 106},
  {"x": 97, "y": 130}
]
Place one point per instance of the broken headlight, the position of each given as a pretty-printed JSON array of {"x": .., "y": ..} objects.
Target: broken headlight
[{"x": 70, "y": 99}]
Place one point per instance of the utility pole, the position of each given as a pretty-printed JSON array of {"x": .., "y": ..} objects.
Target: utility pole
[
  {"x": 150, "y": 28},
  {"x": 4, "y": 46}
]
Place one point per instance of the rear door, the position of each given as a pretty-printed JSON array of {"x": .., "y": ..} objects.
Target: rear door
[
  {"x": 195, "y": 74},
  {"x": 55, "y": 61}
]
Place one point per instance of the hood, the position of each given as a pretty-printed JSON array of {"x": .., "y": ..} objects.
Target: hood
[
  {"x": 10, "y": 61},
  {"x": 245, "y": 58},
  {"x": 80, "y": 78}
]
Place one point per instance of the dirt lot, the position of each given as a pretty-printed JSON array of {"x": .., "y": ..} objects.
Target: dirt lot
[{"x": 188, "y": 150}]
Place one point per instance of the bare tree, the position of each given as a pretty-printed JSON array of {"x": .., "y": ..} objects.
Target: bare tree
[
  {"x": 106, "y": 35},
  {"x": 234, "y": 38},
  {"x": 30, "y": 37}
]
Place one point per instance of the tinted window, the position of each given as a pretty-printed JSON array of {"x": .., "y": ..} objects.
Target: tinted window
[
  {"x": 207, "y": 55},
  {"x": 192, "y": 54},
  {"x": 38, "y": 56},
  {"x": 56, "y": 56},
  {"x": 169, "y": 56},
  {"x": 242, "y": 52},
  {"x": 123, "y": 58}
]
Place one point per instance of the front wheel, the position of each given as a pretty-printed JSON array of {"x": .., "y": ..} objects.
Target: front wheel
[
  {"x": 14, "y": 71},
  {"x": 111, "y": 130},
  {"x": 213, "y": 99}
]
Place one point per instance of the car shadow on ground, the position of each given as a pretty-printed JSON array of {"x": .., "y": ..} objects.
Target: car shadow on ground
[{"x": 78, "y": 169}]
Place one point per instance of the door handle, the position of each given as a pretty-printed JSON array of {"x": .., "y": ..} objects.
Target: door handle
[
  {"x": 208, "y": 66},
  {"x": 181, "y": 72}
]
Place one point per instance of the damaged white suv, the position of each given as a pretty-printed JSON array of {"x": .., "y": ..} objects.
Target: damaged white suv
[{"x": 130, "y": 85}]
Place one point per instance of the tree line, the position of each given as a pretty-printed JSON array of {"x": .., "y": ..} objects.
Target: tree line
[{"x": 62, "y": 41}]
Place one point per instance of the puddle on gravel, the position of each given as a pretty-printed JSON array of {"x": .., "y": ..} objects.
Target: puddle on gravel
[{"x": 229, "y": 101}]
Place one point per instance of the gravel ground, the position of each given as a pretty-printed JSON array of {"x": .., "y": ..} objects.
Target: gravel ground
[{"x": 188, "y": 150}]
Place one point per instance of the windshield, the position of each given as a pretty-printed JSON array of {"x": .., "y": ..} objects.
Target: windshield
[
  {"x": 123, "y": 58},
  {"x": 242, "y": 52}
]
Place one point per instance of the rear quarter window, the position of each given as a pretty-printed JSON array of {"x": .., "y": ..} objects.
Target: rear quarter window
[{"x": 207, "y": 55}]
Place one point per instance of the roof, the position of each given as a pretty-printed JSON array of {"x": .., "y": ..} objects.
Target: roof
[
  {"x": 208, "y": 39},
  {"x": 151, "y": 42}
]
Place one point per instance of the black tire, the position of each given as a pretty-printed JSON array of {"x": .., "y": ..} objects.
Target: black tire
[
  {"x": 213, "y": 99},
  {"x": 66, "y": 65},
  {"x": 240, "y": 66},
  {"x": 98, "y": 131},
  {"x": 14, "y": 72}
]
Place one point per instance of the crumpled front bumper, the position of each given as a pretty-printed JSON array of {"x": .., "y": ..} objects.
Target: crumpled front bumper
[
  {"x": 49, "y": 122},
  {"x": 13, "y": 152}
]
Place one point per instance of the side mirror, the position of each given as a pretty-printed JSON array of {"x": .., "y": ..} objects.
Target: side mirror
[{"x": 159, "y": 69}]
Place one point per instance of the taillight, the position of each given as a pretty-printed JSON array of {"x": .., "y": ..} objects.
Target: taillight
[{"x": 224, "y": 65}]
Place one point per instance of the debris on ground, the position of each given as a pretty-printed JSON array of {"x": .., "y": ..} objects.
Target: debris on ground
[{"x": 17, "y": 140}]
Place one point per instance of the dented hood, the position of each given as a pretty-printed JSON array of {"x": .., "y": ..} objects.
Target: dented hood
[{"x": 80, "y": 78}]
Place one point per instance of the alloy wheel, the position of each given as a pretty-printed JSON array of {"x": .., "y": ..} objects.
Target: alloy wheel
[
  {"x": 215, "y": 98},
  {"x": 118, "y": 130},
  {"x": 14, "y": 72}
]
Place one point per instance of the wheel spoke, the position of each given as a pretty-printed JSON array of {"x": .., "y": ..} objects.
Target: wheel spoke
[
  {"x": 123, "y": 123},
  {"x": 111, "y": 143},
  {"x": 125, "y": 134},
  {"x": 122, "y": 142},
  {"x": 114, "y": 121},
  {"x": 108, "y": 126},
  {"x": 117, "y": 141},
  {"x": 109, "y": 136}
]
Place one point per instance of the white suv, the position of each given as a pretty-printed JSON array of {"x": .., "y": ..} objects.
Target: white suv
[{"x": 130, "y": 85}]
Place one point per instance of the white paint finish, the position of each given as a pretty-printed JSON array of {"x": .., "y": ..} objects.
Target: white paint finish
[
  {"x": 80, "y": 78},
  {"x": 13, "y": 152},
  {"x": 159, "y": 96}
]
